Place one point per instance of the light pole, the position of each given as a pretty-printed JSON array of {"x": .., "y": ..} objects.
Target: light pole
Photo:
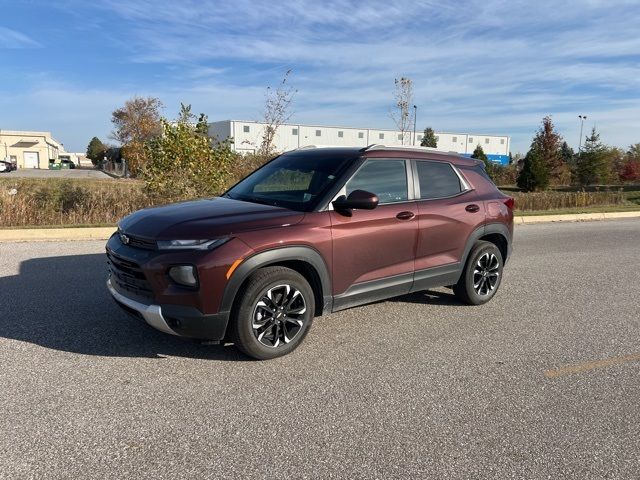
[
  {"x": 582, "y": 119},
  {"x": 415, "y": 118}
]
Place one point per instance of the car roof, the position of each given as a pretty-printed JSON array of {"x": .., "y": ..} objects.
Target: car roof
[{"x": 383, "y": 151}]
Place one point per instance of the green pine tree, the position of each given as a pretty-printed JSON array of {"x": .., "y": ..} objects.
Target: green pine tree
[
  {"x": 490, "y": 167},
  {"x": 535, "y": 173},
  {"x": 479, "y": 154},
  {"x": 429, "y": 138},
  {"x": 592, "y": 165},
  {"x": 567, "y": 154},
  {"x": 96, "y": 150}
]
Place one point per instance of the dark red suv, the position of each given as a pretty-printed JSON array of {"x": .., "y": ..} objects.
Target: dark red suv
[{"x": 313, "y": 231}]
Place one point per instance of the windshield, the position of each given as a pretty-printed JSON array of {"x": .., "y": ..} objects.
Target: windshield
[{"x": 294, "y": 181}]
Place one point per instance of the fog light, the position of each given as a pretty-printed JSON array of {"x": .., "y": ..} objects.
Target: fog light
[{"x": 184, "y": 275}]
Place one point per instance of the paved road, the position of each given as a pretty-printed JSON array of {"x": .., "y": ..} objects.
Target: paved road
[
  {"x": 417, "y": 387},
  {"x": 76, "y": 173}
]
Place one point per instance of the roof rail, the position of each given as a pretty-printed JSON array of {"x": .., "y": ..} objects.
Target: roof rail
[
  {"x": 364, "y": 149},
  {"x": 307, "y": 147},
  {"x": 414, "y": 148}
]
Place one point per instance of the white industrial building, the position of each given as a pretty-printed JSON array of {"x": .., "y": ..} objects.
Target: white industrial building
[{"x": 247, "y": 137}]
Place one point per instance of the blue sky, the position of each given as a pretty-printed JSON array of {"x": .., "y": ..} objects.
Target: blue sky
[{"x": 482, "y": 66}]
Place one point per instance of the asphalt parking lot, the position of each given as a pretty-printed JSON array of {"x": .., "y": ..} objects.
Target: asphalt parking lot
[
  {"x": 76, "y": 173},
  {"x": 542, "y": 382}
]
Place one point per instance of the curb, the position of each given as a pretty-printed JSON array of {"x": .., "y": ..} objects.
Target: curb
[
  {"x": 103, "y": 233},
  {"x": 56, "y": 234},
  {"x": 573, "y": 217}
]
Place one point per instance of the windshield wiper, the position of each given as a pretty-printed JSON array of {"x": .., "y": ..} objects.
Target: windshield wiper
[{"x": 260, "y": 201}]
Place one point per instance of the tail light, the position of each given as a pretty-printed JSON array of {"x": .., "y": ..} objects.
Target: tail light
[{"x": 510, "y": 202}]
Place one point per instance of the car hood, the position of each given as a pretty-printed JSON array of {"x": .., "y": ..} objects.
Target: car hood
[{"x": 205, "y": 219}]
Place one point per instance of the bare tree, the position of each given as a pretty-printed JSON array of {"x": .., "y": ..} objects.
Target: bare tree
[
  {"x": 277, "y": 110},
  {"x": 403, "y": 96}
]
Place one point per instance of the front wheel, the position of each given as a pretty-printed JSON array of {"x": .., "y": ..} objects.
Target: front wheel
[
  {"x": 273, "y": 313},
  {"x": 482, "y": 274}
]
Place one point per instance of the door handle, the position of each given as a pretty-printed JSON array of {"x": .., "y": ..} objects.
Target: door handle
[
  {"x": 472, "y": 208},
  {"x": 405, "y": 215}
]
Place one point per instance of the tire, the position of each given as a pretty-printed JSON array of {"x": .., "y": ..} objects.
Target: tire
[
  {"x": 481, "y": 276},
  {"x": 282, "y": 302}
]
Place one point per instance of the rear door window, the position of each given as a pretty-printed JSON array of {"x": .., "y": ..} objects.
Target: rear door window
[
  {"x": 386, "y": 178},
  {"x": 437, "y": 180}
]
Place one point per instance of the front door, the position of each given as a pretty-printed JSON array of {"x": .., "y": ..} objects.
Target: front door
[{"x": 374, "y": 250}]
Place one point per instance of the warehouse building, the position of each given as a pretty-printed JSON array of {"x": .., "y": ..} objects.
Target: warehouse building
[
  {"x": 29, "y": 149},
  {"x": 247, "y": 138}
]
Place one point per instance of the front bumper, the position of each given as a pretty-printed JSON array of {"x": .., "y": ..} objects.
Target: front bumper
[
  {"x": 152, "y": 314},
  {"x": 177, "y": 320}
]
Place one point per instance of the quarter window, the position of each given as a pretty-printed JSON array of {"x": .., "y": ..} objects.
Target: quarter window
[
  {"x": 340, "y": 134},
  {"x": 381, "y": 136},
  {"x": 502, "y": 141},
  {"x": 294, "y": 131},
  {"x": 318, "y": 133},
  {"x": 360, "y": 134},
  {"x": 437, "y": 180},
  {"x": 386, "y": 178},
  {"x": 245, "y": 128}
]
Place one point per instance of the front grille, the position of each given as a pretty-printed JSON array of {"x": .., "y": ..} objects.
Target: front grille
[
  {"x": 128, "y": 276},
  {"x": 139, "y": 242}
]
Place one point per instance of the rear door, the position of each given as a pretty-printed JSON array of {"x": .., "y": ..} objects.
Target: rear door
[
  {"x": 448, "y": 210},
  {"x": 373, "y": 250}
]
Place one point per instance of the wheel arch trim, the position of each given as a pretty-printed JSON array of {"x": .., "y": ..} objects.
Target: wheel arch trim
[
  {"x": 265, "y": 258},
  {"x": 483, "y": 230}
]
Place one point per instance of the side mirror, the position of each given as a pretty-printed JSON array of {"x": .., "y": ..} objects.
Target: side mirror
[{"x": 358, "y": 199}]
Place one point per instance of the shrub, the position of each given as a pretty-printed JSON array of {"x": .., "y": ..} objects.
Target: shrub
[
  {"x": 534, "y": 201},
  {"x": 506, "y": 175},
  {"x": 631, "y": 171},
  {"x": 184, "y": 162},
  {"x": 60, "y": 196}
]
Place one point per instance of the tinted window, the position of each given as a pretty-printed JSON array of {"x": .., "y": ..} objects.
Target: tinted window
[
  {"x": 295, "y": 181},
  {"x": 437, "y": 180},
  {"x": 386, "y": 178}
]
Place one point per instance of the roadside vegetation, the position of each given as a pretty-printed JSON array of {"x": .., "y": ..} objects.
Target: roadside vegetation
[
  {"x": 56, "y": 201},
  {"x": 63, "y": 202}
]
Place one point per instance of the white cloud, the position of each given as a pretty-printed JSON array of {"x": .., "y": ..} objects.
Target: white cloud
[{"x": 13, "y": 39}]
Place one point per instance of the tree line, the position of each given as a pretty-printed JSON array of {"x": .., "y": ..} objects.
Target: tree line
[{"x": 550, "y": 161}]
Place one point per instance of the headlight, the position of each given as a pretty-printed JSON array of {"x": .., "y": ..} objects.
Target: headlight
[{"x": 190, "y": 244}]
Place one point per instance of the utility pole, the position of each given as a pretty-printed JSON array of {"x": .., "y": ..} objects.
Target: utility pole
[
  {"x": 415, "y": 120},
  {"x": 582, "y": 119}
]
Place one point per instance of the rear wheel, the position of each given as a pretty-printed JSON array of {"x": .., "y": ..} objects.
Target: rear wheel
[
  {"x": 273, "y": 313},
  {"x": 482, "y": 274}
]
